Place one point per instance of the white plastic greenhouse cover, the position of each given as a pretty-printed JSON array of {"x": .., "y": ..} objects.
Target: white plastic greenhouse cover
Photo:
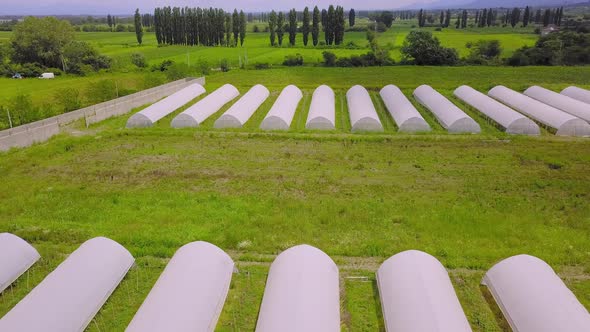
[
  {"x": 190, "y": 293},
  {"x": 533, "y": 298},
  {"x": 509, "y": 119},
  {"x": 203, "y": 109},
  {"x": 449, "y": 116},
  {"x": 565, "y": 124},
  {"x": 153, "y": 113},
  {"x": 577, "y": 93},
  {"x": 322, "y": 111},
  {"x": 16, "y": 257},
  {"x": 69, "y": 297},
  {"x": 407, "y": 118},
  {"x": 237, "y": 115},
  {"x": 281, "y": 114},
  {"x": 363, "y": 116},
  {"x": 417, "y": 295},
  {"x": 559, "y": 101},
  {"x": 301, "y": 294}
]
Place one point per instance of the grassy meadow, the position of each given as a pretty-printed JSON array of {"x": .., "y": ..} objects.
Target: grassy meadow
[{"x": 469, "y": 200}]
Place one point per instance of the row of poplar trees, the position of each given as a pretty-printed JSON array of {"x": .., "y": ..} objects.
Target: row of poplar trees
[
  {"x": 199, "y": 26},
  {"x": 332, "y": 21}
]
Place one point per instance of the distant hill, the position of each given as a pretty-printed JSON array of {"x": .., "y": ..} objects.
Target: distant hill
[{"x": 498, "y": 3}]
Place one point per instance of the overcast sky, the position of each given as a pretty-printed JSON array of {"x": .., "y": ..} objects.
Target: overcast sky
[{"x": 40, "y": 7}]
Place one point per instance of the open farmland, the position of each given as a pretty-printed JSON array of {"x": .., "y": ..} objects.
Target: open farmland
[{"x": 469, "y": 200}]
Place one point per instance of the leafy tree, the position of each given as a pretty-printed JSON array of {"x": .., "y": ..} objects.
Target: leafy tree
[
  {"x": 329, "y": 59},
  {"x": 305, "y": 27},
  {"x": 242, "y": 28},
  {"x": 138, "y": 59},
  {"x": 80, "y": 57},
  {"x": 272, "y": 25},
  {"x": 421, "y": 48},
  {"x": 41, "y": 40},
  {"x": 351, "y": 17},
  {"x": 292, "y": 26},
  {"x": 280, "y": 27},
  {"x": 387, "y": 18},
  {"x": 138, "y": 27},
  {"x": 485, "y": 52},
  {"x": 315, "y": 26}
]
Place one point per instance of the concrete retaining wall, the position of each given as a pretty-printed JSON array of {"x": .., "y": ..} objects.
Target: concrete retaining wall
[{"x": 40, "y": 131}]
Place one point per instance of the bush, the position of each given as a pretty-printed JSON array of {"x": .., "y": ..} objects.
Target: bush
[
  {"x": 163, "y": 66},
  {"x": 81, "y": 58},
  {"x": 101, "y": 91},
  {"x": 329, "y": 59},
  {"x": 255, "y": 29},
  {"x": 381, "y": 27},
  {"x": 153, "y": 79},
  {"x": 68, "y": 99},
  {"x": 261, "y": 66},
  {"x": 293, "y": 60},
  {"x": 120, "y": 28},
  {"x": 563, "y": 48},
  {"x": 138, "y": 60},
  {"x": 30, "y": 70},
  {"x": 224, "y": 65},
  {"x": 22, "y": 110},
  {"x": 421, "y": 48},
  {"x": 484, "y": 52},
  {"x": 179, "y": 71},
  {"x": 204, "y": 67}
]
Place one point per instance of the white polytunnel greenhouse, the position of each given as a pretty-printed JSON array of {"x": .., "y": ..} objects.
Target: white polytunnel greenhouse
[
  {"x": 203, "y": 109},
  {"x": 16, "y": 257},
  {"x": 363, "y": 116},
  {"x": 281, "y": 114},
  {"x": 190, "y": 293},
  {"x": 565, "y": 124},
  {"x": 533, "y": 298},
  {"x": 322, "y": 110},
  {"x": 69, "y": 297},
  {"x": 240, "y": 112},
  {"x": 301, "y": 294},
  {"x": 453, "y": 119},
  {"x": 155, "y": 112},
  {"x": 559, "y": 101},
  {"x": 577, "y": 93},
  {"x": 417, "y": 295},
  {"x": 405, "y": 115},
  {"x": 512, "y": 121}
]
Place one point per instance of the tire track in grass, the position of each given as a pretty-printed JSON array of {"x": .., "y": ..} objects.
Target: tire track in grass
[
  {"x": 343, "y": 116},
  {"x": 301, "y": 113}
]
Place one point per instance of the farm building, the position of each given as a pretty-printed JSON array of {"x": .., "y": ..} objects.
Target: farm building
[
  {"x": 417, "y": 295},
  {"x": 512, "y": 121},
  {"x": 577, "y": 93},
  {"x": 322, "y": 111},
  {"x": 190, "y": 293},
  {"x": 363, "y": 116},
  {"x": 565, "y": 124},
  {"x": 155, "y": 112},
  {"x": 533, "y": 298},
  {"x": 448, "y": 115},
  {"x": 74, "y": 292},
  {"x": 281, "y": 114},
  {"x": 203, "y": 109},
  {"x": 240, "y": 112},
  {"x": 405, "y": 115},
  {"x": 16, "y": 257},
  {"x": 302, "y": 293}
]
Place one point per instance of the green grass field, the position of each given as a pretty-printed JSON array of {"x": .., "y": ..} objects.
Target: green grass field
[{"x": 469, "y": 200}]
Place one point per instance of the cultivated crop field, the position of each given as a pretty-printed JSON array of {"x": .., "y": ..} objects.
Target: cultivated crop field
[{"x": 469, "y": 200}]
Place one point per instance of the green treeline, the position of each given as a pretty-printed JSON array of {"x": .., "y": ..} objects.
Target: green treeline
[{"x": 199, "y": 26}]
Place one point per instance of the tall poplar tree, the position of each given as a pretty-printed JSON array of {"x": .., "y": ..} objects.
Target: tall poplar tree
[
  {"x": 280, "y": 27},
  {"x": 315, "y": 26},
  {"x": 292, "y": 26},
  {"x": 138, "y": 27},
  {"x": 305, "y": 26},
  {"x": 242, "y": 27},
  {"x": 351, "y": 17},
  {"x": 272, "y": 26}
]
